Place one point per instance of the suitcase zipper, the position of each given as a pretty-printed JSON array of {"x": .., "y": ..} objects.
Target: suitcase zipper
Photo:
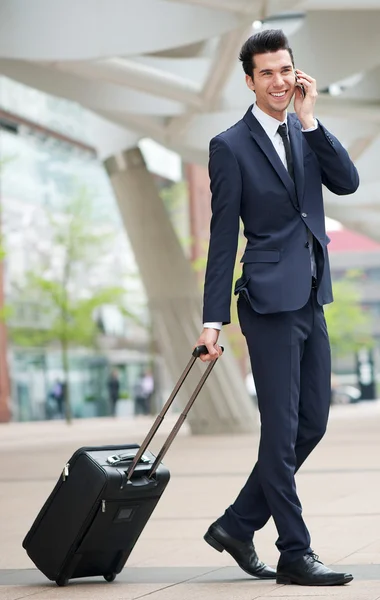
[{"x": 65, "y": 472}]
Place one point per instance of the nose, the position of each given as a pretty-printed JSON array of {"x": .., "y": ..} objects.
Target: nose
[{"x": 278, "y": 80}]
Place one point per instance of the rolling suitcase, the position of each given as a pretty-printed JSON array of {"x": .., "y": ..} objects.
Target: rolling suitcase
[{"x": 101, "y": 503}]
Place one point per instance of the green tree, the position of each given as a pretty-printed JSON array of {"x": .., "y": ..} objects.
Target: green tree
[
  {"x": 63, "y": 289},
  {"x": 348, "y": 324}
]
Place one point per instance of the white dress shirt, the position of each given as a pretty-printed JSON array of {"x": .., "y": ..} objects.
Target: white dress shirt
[{"x": 270, "y": 126}]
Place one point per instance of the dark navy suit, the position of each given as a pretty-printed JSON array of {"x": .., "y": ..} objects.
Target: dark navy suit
[{"x": 280, "y": 314}]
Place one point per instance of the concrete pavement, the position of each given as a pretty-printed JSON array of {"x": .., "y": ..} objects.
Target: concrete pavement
[{"x": 339, "y": 487}]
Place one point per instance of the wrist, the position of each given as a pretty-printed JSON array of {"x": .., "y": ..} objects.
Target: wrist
[
  {"x": 307, "y": 122},
  {"x": 212, "y": 325}
]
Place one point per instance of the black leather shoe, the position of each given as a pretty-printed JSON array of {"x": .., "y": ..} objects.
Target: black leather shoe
[
  {"x": 243, "y": 552},
  {"x": 308, "y": 570}
]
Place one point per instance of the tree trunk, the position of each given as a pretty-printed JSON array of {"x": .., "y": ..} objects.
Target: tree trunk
[{"x": 66, "y": 398}]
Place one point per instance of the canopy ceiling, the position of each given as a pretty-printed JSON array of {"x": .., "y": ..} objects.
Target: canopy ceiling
[{"x": 168, "y": 70}]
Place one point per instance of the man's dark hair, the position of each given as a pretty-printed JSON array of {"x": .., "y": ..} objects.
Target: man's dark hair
[{"x": 269, "y": 40}]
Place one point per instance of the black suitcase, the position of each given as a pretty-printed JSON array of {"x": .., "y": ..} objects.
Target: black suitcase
[{"x": 101, "y": 503}]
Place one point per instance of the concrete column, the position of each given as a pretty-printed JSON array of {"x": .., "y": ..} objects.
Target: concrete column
[
  {"x": 200, "y": 208},
  {"x": 175, "y": 304},
  {"x": 200, "y": 214}
]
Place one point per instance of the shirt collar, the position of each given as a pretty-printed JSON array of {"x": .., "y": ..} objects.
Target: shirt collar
[{"x": 269, "y": 124}]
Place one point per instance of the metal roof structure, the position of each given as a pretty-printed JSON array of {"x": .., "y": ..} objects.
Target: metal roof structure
[{"x": 168, "y": 70}]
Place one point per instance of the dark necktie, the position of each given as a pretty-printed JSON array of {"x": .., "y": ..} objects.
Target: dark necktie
[{"x": 283, "y": 131}]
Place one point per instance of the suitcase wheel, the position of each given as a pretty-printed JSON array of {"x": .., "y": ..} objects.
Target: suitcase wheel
[
  {"x": 110, "y": 577},
  {"x": 62, "y": 581}
]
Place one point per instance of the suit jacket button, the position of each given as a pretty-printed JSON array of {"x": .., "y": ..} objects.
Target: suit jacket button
[
  {"x": 304, "y": 215},
  {"x": 307, "y": 245}
]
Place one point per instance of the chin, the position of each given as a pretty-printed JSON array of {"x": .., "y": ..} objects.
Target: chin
[
  {"x": 281, "y": 107},
  {"x": 278, "y": 108}
]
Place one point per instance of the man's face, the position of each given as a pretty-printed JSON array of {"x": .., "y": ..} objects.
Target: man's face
[{"x": 273, "y": 82}]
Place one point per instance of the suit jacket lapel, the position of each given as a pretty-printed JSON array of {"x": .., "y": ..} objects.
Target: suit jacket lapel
[
  {"x": 295, "y": 135},
  {"x": 263, "y": 141}
]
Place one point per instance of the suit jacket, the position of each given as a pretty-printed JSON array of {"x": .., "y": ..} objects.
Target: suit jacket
[{"x": 249, "y": 180}]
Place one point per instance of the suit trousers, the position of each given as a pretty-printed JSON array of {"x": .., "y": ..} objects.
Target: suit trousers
[{"x": 291, "y": 365}]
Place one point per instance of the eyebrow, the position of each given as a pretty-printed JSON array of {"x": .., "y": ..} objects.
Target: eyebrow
[{"x": 271, "y": 70}]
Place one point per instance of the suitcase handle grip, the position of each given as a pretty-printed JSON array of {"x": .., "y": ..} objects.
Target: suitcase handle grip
[
  {"x": 202, "y": 350},
  {"x": 195, "y": 354},
  {"x": 116, "y": 459}
]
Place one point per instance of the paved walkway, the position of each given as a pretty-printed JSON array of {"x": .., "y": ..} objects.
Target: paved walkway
[{"x": 339, "y": 487}]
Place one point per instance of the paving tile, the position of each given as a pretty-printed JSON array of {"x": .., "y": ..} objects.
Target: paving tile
[
  {"x": 94, "y": 591},
  {"x": 339, "y": 486},
  {"x": 366, "y": 590},
  {"x": 247, "y": 590},
  {"x": 16, "y": 592}
]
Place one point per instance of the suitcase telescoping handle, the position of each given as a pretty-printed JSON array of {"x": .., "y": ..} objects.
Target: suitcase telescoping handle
[{"x": 196, "y": 354}]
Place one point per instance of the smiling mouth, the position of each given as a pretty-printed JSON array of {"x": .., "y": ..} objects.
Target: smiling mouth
[{"x": 278, "y": 94}]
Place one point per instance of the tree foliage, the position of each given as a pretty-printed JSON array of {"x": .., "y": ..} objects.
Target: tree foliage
[
  {"x": 349, "y": 326},
  {"x": 65, "y": 285},
  {"x": 70, "y": 319}
]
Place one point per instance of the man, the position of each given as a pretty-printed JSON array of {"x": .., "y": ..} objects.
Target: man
[
  {"x": 143, "y": 393},
  {"x": 57, "y": 394},
  {"x": 269, "y": 169},
  {"x": 113, "y": 390}
]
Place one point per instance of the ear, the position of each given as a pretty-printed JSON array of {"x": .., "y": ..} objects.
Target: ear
[{"x": 250, "y": 83}]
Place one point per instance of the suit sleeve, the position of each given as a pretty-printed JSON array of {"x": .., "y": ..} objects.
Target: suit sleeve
[
  {"x": 339, "y": 173},
  {"x": 226, "y": 188}
]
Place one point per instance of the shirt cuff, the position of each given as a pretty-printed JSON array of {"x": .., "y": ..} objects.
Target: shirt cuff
[
  {"x": 316, "y": 125},
  {"x": 215, "y": 325}
]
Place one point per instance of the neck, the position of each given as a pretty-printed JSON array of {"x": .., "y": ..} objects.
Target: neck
[{"x": 280, "y": 116}]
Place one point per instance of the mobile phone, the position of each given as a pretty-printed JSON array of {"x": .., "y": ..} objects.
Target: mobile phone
[{"x": 298, "y": 84}]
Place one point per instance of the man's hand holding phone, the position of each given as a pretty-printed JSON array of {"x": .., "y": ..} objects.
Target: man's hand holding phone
[{"x": 305, "y": 99}]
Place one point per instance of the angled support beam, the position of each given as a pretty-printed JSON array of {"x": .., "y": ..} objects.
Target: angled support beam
[
  {"x": 235, "y": 6},
  {"x": 257, "y": 9},
  {"x": 145, "y": 126},
  {"x": 178, "y": 125},
  {"x": 138, "y": 76},
  {"x": 220, "y": 71},
  {"x": 331, "y": 106},
  {"x": 222, "y": 66},
  {"x": 362, "y": 144}
]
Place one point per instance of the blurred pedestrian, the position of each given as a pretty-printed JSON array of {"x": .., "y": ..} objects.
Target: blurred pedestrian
[
  {"x": 143, "y": 393},
  {"x": 57, "y": 394},
  {"x": 113, "y": 390}
]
